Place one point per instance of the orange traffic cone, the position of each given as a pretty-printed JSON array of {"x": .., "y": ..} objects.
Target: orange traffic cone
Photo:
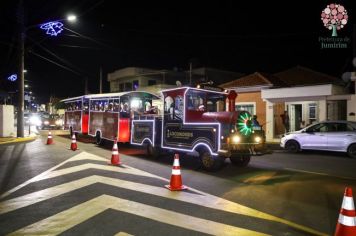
[
  {"x": 115, "y": 158},
  {"x": 73, "y": 145},
  {"x": 176, "y": 178},
  {"x": 49, "y": 138},
  {"x": 346, "y": 225}
]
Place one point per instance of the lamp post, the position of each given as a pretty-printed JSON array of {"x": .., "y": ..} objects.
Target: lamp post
[
  {"x": 21, "y": 79},
  {"x": 53, "y": 29}
]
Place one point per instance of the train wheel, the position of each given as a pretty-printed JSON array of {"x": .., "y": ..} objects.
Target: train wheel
[
  {"x": 240, "y": 160},
  {"x": 210, "y": 162},
  {"x": 98, "y": 139},
  {"x": 153, "y": 151}
]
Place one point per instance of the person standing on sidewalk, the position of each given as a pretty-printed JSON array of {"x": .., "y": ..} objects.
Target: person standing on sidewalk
[{"x": 285, "y": 121}]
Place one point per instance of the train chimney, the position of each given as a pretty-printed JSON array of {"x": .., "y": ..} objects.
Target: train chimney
[{"x": 232, "y": 96}]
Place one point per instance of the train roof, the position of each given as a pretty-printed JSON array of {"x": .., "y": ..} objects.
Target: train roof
[
  {"x": 200, "y": 88},
  {"x": 110, "y": 95}
]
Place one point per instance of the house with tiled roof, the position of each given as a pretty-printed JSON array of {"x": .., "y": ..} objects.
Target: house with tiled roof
[
  {"x": 307, "y": 96},
  {"x": 249, "y": 89}
]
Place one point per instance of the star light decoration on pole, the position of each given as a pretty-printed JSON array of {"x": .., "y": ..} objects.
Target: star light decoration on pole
[
  {"x": 334, "y": 17},
  {"x": 53, "y": 28}
]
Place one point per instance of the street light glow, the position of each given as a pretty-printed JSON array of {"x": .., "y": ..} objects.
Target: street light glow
[{"x": 71, "y": 18}]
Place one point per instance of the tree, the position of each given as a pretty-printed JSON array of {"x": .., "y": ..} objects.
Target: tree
[{"x": 334, "y": 17}]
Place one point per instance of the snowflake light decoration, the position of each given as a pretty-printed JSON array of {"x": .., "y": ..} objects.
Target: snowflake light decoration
[
  {"x": 334, "y": 17},
  {"x": 12, "y": 77},
  {"x": 52, "y": 28}
]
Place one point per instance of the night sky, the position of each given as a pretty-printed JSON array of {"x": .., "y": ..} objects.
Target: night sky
[{"x": 239, "y": 36}]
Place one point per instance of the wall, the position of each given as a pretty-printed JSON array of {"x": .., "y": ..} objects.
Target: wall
[
  {"x": 351, "y": 108},
  {"x": 255, "y": 97},
  {"x": 7, "y": 120}
]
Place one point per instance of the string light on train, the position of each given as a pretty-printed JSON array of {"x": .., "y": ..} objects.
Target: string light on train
[{"x": 244, "y": 124}]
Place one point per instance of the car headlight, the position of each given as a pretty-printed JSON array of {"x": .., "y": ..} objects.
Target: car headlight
[
  {"x": 35, "y": 120},
  {"x": 46, "y": 122},
  {"x": 258, "y": 139},
  {"x": 236, "y": 139},
  {"x": 59, "y": 122}
]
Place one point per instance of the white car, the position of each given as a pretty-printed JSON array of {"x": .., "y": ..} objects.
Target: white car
[{"x": 338, "y": 136}]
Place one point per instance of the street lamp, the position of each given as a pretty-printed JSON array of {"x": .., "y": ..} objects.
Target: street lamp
[
  {"x": 53, "y": 29},
  {"x": 71, "y": 18}
]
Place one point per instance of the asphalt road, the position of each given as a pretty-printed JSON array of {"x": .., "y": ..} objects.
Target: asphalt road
[{"x": 79, "y": 193}]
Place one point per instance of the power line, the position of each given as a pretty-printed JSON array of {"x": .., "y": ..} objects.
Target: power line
[
  {"x": 60, "y": 58},
  {"x": 55, "y": 63}
]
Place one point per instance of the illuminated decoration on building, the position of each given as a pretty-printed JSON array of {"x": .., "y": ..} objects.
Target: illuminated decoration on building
[
  {"x": 12, "y": 77},
  {"x": 52, "y": 28},
  {"x": 244, "y": 123}
]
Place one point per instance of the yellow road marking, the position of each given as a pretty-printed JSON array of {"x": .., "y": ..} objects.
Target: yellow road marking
[
  {"x": 16, "y": 140},
  {"x": 319, "y": 173},
  {"x": 123, "y": 234},
  {"x": 205, "y": 200},
  {"x": 65, "y": 220}
]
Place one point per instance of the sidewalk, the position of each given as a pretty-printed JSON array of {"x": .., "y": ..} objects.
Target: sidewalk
[{"x": 13, "y": 140}]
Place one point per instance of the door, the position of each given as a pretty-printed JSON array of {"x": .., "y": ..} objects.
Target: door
[
  {"x": 315, "y": 137},
  {"x": 295, "y": 116},
  {"x": 339, "y": 134}
]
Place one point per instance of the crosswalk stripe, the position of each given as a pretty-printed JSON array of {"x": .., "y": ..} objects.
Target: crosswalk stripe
[
  {"x": 78, "y": 157},
  {"x": 67, "y": 219},
  {"x": 126, "y": 170},
  {"x": 206, "y": 200}
]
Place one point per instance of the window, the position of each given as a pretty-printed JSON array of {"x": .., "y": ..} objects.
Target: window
[
  {"x": 249, "y": 107},
  {"x": 312, "y": 113},
  {"x": 99, "y": 105},
  {"x": 318, "y": 128},
  {"x": 121, "y": 87},
  {"x": 196, "y": 100},
  {"x": 135, "y": 84},
  {"x": 152, "y": 82},
  {"x": 215, "y": 102},
  {"x": 178, "y": 108},
  {"x": 128, "y": 86}
]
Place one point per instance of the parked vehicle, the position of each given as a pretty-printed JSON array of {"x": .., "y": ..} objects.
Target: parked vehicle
[
  {"x": 338, "y": 136},
  {"x": 51, "y": 121}
]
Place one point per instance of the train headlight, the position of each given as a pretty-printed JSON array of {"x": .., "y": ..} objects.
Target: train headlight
[
  {"x": 59, "y": 122},
  {"x": 236, "y": 139},
  {"x": 46, "y": 122},
  {"x": 258, "y": 139}
]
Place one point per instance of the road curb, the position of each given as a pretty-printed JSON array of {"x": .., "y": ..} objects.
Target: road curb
[{"x": 19, "y": 140}]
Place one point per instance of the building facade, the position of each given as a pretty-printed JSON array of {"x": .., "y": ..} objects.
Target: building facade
[{"x": 303, "y": 95}]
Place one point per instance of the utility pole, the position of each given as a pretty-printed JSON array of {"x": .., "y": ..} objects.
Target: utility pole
[
  {"x": 86, "y": 91},
  {"x": 190, "y": 73},
  {"x": 101, "y": 80},
  {"x": 21, "y": 79}
]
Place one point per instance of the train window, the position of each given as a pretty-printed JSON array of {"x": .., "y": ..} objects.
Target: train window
[
  {"x": 215, "y": 103},
  {"x": 86, "y": 105},
  {"x": 196, "y": 100},
  {"x": 168, "y": 103},
  {"x": 178, "y": 108}
]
